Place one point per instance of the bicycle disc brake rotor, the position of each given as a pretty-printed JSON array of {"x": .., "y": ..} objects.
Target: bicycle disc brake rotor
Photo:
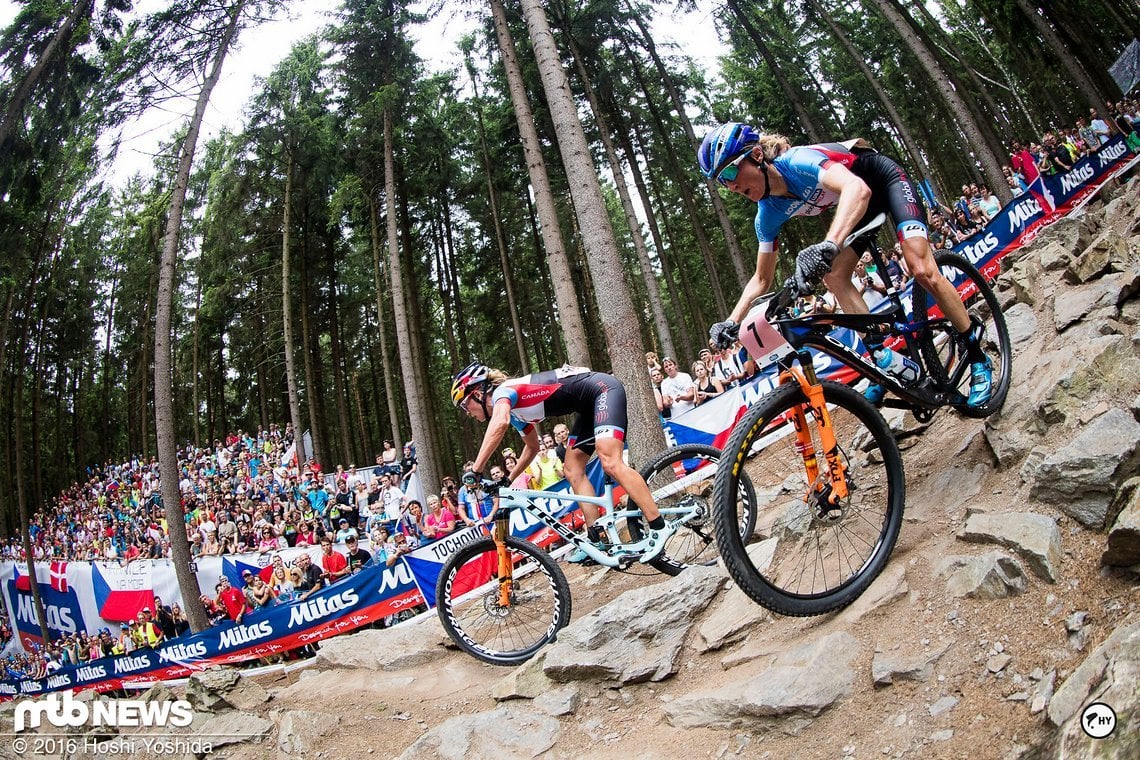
[
  {"x": 492, "y": 607},
  {"x": 699, "y": 507},
  {"x": 824, "y": 510}
]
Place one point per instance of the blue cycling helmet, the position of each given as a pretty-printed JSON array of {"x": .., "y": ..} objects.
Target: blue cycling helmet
[{"x": 723, "y": 144}]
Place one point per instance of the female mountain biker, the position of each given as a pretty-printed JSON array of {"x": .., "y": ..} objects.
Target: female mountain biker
[
  {"x": 597, "y": 400},
  {"x": 860, "y": 183}
]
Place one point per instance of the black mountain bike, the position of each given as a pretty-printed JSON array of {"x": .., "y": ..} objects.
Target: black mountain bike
[{"x": 825, "y": 467}]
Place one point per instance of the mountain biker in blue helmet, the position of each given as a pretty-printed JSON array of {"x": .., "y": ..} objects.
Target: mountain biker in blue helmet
[
  {"x": 598, "y": 402},
  {"x": 859, "y": 182}
]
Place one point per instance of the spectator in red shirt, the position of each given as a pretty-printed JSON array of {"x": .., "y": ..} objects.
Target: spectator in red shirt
[
  {"x": 231, "y": 600},
  {"x": 333, "y": 562}
]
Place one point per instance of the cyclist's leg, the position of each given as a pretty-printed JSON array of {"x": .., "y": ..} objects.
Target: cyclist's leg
[
  {"x": 610, "y": 454},
  {"x": 574, "y": 468},
  {"x": 609, "y": 441},
  {"x": 920, "y": 261},
  {"x": 893, "y": 189},
  {"x": 838, "y": 281}
]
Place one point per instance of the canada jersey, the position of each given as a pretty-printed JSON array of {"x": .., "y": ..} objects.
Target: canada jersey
[
  {"x": 802, "y": 169},
  {"x": 535, "y": 397}
]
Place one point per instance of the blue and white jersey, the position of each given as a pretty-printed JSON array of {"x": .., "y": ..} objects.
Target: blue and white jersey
[{"x": 802, "y": 170}]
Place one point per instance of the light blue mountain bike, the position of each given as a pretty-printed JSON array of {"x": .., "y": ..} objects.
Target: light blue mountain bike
[{"x": 501, "y": 598}]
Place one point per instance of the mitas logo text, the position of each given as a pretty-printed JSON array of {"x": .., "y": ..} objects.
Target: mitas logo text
[
  {"x": 243, "y": 634},
  {"x": 65, "y": 711},
  {"x": 321, "y": 607}
]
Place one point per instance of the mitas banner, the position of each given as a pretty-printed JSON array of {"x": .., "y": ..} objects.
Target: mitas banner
[{"x": 358, "y": 600}]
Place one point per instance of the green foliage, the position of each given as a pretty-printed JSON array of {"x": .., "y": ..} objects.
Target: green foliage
[{"x": 80, "y": 257}]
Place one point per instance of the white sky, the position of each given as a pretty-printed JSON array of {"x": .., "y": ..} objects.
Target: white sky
[{"x": 262, "y": 48}]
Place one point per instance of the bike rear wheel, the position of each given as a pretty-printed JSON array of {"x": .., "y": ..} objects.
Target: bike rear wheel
[
  {"x": 467, "y": 600},
  {"x": 944, "y": 354},
  {"x": 682, "y": 477},
  {"x": 804, "y": 559}
]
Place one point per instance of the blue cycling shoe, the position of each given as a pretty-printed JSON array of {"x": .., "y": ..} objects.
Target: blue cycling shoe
[
  {"x": 875, "y": 393},
  {"x": 981, "y": 382}
]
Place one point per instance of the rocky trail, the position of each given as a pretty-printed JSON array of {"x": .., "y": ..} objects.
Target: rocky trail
[{"x": 1009, "y": 604}]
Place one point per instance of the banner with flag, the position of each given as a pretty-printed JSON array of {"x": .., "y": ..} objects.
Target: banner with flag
[
  {"x": 58, "y": 571},
  {"x": 121, "y": 592},
  {"x": 372, "y": 594}
]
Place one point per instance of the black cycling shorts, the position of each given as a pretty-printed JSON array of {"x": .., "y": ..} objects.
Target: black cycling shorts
[{"x": 893, "y": 193}]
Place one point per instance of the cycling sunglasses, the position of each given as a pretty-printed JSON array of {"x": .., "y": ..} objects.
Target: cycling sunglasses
[{"x": 731, "y": 170}]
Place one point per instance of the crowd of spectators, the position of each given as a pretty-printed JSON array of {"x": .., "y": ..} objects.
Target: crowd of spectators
[
  {"x": 243, "y": 494},
  {"x": 247, "y": 493}
]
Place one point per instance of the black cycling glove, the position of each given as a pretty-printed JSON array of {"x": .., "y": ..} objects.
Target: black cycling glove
[
  {"x": 812, "y": 264},
  {"x": 723, "y": 334}
]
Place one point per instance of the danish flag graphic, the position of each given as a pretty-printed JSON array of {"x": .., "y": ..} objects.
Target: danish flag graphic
[{"x": 59, "y": 576}]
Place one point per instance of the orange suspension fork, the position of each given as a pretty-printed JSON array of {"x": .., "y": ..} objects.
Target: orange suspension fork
[
  {"x": 506, "y": 567},
  {"x": 813, "y": 390}
]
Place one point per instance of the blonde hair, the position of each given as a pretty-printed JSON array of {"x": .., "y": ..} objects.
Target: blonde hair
[
  {"x": 496, "y": 376},
  {"x": 772, "y": 145}
]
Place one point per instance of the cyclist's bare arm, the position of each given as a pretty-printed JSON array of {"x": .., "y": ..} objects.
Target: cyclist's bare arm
[
  {"x": 529, "y": 452},
  {"x": 854, "y": 195},
  {"x": 497, "y": 427},
  {"x": 760, "y": 284}
]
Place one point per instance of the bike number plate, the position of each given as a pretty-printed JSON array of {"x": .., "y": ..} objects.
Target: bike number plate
[{"x": 765, "y": 345}]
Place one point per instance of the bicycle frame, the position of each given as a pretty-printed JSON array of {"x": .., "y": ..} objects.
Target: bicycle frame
[
  {"x": 528, "y": 500},
  {"x": 813, "y": 331}
]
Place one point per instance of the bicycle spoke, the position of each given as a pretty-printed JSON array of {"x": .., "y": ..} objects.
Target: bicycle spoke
[
  {"x": 494, "y": 632},
  {"x": 817, "y": 551}
]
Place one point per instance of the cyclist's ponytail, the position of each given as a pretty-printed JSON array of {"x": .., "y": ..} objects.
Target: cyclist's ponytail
[
  {"x": 772, "y": 145},
  {"x": 496, "y": 376}
]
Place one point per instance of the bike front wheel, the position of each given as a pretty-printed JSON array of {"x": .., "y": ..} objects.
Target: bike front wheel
[
  {"x": 681, "y": 481},
  {"x": 944, "y": 351},
  {"x": 470, "y": 606},
  {"x": 808, "y": 556}
]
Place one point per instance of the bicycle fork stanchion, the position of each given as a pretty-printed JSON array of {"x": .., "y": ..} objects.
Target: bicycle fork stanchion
[
  {"x": 506, "y": 576},
  {"x": 836, "y": 470}
]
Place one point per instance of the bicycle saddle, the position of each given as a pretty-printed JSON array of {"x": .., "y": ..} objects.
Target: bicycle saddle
[{"x": 866, "y": 231}]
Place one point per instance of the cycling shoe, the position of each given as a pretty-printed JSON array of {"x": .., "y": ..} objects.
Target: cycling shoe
[
  {"x": 981, "y": 382},
  {"x": 875, "y": 393}
]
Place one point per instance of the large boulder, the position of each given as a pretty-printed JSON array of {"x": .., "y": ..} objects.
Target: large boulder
[
  {"x": 1109, "y": 675},
  {"x": 298, "y": 731},
  {"x": 1053, "y": 387},
  {"x": 505, "y": 732},
  {"x": 216, "y": 689},
  {"x": 729, "y": 621},
  {"x": 234, "y": 727},
  {"x": 403, "y": 646},
  {"x": 906, "y": 663},
  {"x": 993, "y": 575},
  {"x": 786, "y": 696},
  {"x": 1110, "y": 246},
  {"x": 527, "y": 681},
  {"x": 1021, "y": 321},
  {"x": 1035, "y": 538},
  {"x": 636, "y": 637},
  {"x": 1124, "y": 534},
  {"x": 1080, "y": 478}
]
